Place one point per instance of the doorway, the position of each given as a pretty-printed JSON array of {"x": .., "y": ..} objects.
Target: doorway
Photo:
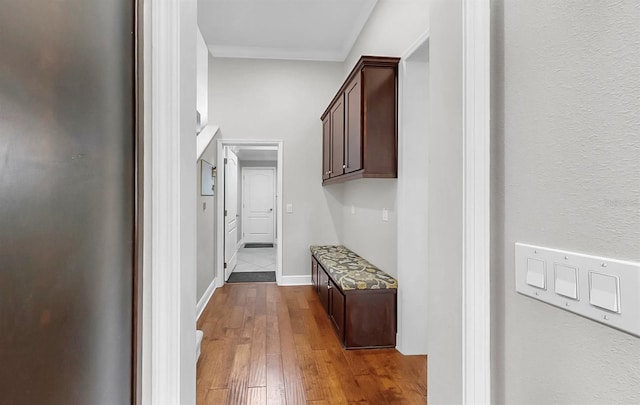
[{"x": 251, "y": 210}]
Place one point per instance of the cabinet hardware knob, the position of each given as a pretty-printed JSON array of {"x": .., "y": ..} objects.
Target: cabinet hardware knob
[
  {"x": 344, "y": 166},
  {"x": 329, "y": 172}
]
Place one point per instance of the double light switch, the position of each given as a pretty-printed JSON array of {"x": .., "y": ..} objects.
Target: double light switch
[{"x": 591, "y": 286}]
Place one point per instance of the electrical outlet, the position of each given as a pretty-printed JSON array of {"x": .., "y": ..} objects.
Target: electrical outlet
[{"x": 385, "y": 214}]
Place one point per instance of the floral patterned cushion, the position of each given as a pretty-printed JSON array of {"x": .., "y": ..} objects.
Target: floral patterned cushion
[{"x": 351, "y": 271}]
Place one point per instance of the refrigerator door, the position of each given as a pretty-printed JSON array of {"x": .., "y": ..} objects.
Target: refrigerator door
[{"x": 67, "y": 201}]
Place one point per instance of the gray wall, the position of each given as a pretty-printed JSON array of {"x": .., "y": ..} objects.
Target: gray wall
[
  {"x": 566, "y": 174},
  {"x": 283, "y": 100},
  {"x": 444, "y": 153},
  {"x": 206, "y": 210},
  {"x": 391, "y": 29}
]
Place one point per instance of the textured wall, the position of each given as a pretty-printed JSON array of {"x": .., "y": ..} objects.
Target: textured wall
[
  {"x": 567, "y": 175},
  {"x": 444, "y": 153}
]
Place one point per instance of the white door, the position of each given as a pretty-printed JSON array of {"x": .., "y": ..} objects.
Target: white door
[
  {"x": 230, "y": 212},
  {"x": 258, "y": 205}
]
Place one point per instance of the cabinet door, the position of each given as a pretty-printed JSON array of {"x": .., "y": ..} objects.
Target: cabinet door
[
  {"x": 336, "y": 309},
  {"x": 337, "y": 138},
  {"x": 353, "y": 126},
  {"x": 323, "y": 288},
  {"x": 326, "y": 147}
]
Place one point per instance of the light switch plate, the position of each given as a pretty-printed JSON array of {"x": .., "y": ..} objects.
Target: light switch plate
[
  {"x": 385, "y": 214},
  {"x": 289, "y": 208},
  {"x": 615, "y": 300}
]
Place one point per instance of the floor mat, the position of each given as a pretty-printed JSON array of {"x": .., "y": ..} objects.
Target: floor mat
[
  {"x": 258, "y": 245},
  {"x": 252, "y": 277}
]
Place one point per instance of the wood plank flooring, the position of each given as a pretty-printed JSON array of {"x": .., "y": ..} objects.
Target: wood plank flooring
[{"x": 265, "y": 344}]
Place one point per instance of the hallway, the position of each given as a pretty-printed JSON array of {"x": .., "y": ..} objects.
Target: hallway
[
  {"x": 256, "y": 259},
  {"x": 265, "y": 344}
]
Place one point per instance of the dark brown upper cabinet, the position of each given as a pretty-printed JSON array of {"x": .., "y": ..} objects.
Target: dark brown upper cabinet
[{"x": 360, "y": 126}]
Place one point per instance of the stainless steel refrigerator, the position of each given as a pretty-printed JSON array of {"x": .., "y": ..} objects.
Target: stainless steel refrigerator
[{"x": 68, "y": 146}]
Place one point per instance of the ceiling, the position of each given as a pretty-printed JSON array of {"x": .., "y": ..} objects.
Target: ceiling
[{"x": 283, "y": 29}]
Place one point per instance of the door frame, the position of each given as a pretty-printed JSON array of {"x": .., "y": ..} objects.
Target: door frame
[
  {"x": 278, "y": 144},
  {"x": 476, "y": 198},
  {"x": 167, "y": 296},
  {"x": 275, "y": 201},
  {"x": 226, "y": 273}
]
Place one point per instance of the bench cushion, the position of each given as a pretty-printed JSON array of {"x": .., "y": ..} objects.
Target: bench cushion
[{"x": 350, "y": 271}]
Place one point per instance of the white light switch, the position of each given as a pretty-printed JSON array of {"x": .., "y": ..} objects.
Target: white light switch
[
  {"x": 604, "y": 291},
  {"x": 566, "y": 281},
  {"x": 289, "y": 208},
  {"x": 353, "y": 209},
  {"x": 385, "y": 214},
  {"x": 536, "y": 273}
]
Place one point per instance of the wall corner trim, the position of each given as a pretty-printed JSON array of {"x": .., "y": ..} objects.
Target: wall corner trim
[
  {"x": 476, "y": 291},
  {"x": 204, "y": 138},
  {"x": 165, "y": 289}
]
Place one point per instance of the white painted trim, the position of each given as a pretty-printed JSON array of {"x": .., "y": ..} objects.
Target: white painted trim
[
  {"x": 199, "y": 336},
  {"x": 165, "y": 203},
  {"x": 204, "y": 300},
  {"x": 476, "y": 292},
  {"x": 220, "y": 196},
  {"x": 295, "y": 280},
  {"x": 248, "y": 52},
  {"x": 423, "y": 38},
  {"x": 204, "y": 138}
]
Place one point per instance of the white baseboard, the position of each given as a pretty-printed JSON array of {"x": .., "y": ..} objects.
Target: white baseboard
[
  {"x": 295, "y": 280},
  {"x": 202, "y": 304},
  {"x": 199, "y": 336}
]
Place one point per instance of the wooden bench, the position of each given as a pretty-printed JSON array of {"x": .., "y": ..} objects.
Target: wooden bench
[{"x": 359, "y": 298}]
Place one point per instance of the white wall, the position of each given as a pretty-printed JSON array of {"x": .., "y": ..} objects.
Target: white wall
[
  {"x": 267, "y": 99},
  {"x": 392, "y": 27},
  {"x": 444, "y": 153},
  {"x": 567, "y": 169},
  {"x": 202, "y": 92},
  {"x": 206, "y": 209},
  {"x": 205, "y": 204},
  {"x": 413, "y": 199},
  {"x": 364, "y": 231}
]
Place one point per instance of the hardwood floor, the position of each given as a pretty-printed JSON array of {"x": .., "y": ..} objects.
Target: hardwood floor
[{"x": 265, "y": 344}]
